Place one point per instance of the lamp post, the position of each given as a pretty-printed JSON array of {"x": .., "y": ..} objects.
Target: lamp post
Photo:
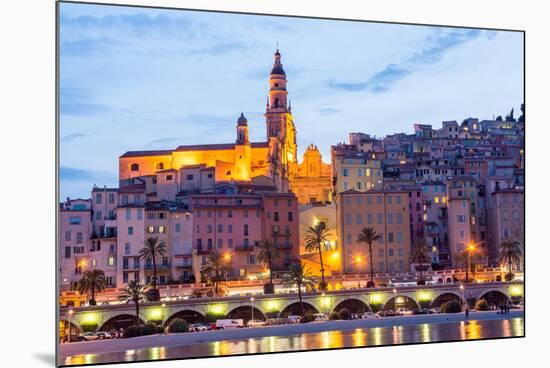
[
  {"x": 163, "y": 322},
  {"x": 71, "y": 311},
  {"x": 395, "y": 299},
  {"x": 252, "y": 309},
  {"x": 462, "y": 292},
  {"x": 471, "y": 248}
]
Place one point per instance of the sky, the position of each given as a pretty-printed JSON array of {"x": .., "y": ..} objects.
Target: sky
[{"x": 146, "y": 79}]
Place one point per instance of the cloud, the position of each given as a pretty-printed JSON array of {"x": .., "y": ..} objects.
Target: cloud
[
  {"x": 328, "y": 110},
  {"x": 72, "y": 137},
  {"x": 74, "y": 174},
  {"x": 78, "y": 101},
  {"x": 438, "y": 44}
]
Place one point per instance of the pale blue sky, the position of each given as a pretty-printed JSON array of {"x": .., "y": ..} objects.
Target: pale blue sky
[{"x": 137, "y": 79}]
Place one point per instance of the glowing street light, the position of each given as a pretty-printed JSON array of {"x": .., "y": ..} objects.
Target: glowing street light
[
  {"x": 71, "y": 312},
  {"x": 394, "y": 299},
  {"x": 462, "y": 292}
]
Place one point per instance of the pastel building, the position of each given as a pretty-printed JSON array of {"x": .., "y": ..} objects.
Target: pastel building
[
  {"x": 233, "y": 225},
  {"x": 387, "y": 212},
  {"x": 355, "y": 170}
]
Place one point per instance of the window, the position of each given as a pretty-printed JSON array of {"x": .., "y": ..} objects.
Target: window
[
  {"x": 245, "y": 213},
  {"x": 130, "y": 230},
  {"x": 230, "y": 228},
  {"x": 210, "y": 244},
  {"x": 209, "y": 229},
  {"x": 111, "y": 198},
  {"x": 348, "y": 219},
  {"x": 276, "y": 216},
  {"x": 369, "y": 218},
  {"x": 98, "y": 198},
  {"x": 75, "y": 220},
  {"x": 379, "y": 218},
  {"x": 345, "y": 172},
  {"x": 162, "y": 229},
  {"x": 348, "y": 238},
  {"x": 67, "y": 236},
  {"x": 67, "y": 252},
  {"x": 78, "y": 238},
  {"x": 169, "y": 177},
  {"x": 150, "y": 229},
  {"x": 245, "y": 230},
  {"x": 220, "y": 243},
  {"x": 390, "y": 237},
  {"x": 178, "y": 228},
  {"x": 220, "y": 228},
  {"x": 390, "y": 218},
  {"x": 111, "y": 261},
  {"x": 125, "y": 276},
  {"x": 358, "y": 199},
  {"x": 379, "y": 199},
  {"x": 199, "y": 244},
  {"x": 389, "y": 198},
  {"x": 381, "y": 252},
  {"x": 369, "y": 200},
  {"x": 134, "y": 167},
  {"x": 400, "y": 252},
  {"x": 230, "y": 243},
  {"x": 399, "y": 218},
  {"x": 112, "y": 248},
  {"x": 229, "y": 213},
  {"x": 358, "y": 219},
  {"x": 390, "y": 252},
  {"x": 189, "y": 177},
  {"x": 128, "y": 214},
  {"x": 160, "y": 166},
  {"x": 290, "y": 217},
  {"x": 140, "y": 214},
  {"x": 127, "y": 248},
  {"x": 460, "y": 218},
  {"x": 399, "y": 237},
  {"x": 398, "y": 199}
]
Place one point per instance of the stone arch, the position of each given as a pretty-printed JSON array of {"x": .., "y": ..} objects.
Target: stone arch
[
  {"x": 244, "y": 312},
  {"x": 495, "y": 297},
  {"x": 294, "y": 309},
  {"x": 120, "y": 321},
  {"x": 446, "y": 297},
  {"x": 189, "y": 315},
  {"x": 400, "y": 301},
  {"x": 354, "y": 305}
]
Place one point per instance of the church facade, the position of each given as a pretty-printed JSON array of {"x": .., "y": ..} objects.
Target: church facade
[{"x": 196, "y": 168}]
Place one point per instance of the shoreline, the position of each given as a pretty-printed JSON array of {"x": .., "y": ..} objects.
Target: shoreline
[{"x": 192, "y": 338}]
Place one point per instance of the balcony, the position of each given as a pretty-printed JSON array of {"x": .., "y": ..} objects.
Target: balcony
[
  {"x": 184, "y": 266},
  {"x": 284, "y": 246},
  {"x": 159, "y": 267}
]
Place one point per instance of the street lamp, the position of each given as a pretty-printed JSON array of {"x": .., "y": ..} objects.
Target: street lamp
[
  {"x": 394, "y": 299},
  {"x": 469, "y": 250},
  {"x": 462, "y": 292},
  {"x": 252, "y": 309},
  {"x": 163, "y": 317},
  {"x": 71, "y": 311}
]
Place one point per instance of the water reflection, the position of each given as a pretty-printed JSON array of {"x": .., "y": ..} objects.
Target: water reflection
[{"x": 426, "y": 332}]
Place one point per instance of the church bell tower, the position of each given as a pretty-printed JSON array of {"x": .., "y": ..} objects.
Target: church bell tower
[{"x": 281, "y": 132}]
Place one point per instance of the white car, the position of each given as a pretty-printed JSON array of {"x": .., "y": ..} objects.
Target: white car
[
  {"x": 294, "y": 318},
  {"x": 223, "y": 324},
  {"x": 196, "y": 327},
  {"x": 89, "y": 336},
  {"x": 404, "y": 312},
  {"x": 369, "y": 315},
  {"x": 255, "y": 323},
  {"x": 320, "y": 317}
]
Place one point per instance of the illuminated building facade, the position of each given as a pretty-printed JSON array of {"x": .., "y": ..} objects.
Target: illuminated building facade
[
  {"x": 312, "y": 181},
  {"x": 241, "y": 160}
]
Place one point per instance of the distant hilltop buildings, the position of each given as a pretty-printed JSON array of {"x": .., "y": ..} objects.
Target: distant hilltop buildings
[{"x": 447, "y": 189}]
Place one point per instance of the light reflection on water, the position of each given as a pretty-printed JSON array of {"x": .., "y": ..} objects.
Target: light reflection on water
[{"x": 376, "y": 336}]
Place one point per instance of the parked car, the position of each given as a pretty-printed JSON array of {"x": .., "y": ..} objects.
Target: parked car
[
  {"x": 255, "y": 323},
  {"x": 294, "y": 318},
  {"x": 196, "y": 327},
  {"x": 101, "y": 335},
  {"x": 404, "y": 311},
  {"x": 73, "y": 338},
  {"x": 387, "y": 313},
  {"x": 369, "y": 315},
  {"x": 320, "y": 317},
  {"x": 223, "y": 324},
  {"x": 89, "y": 336}
]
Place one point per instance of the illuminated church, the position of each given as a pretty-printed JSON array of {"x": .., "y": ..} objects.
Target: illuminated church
[{"x": 199, "y": 168}]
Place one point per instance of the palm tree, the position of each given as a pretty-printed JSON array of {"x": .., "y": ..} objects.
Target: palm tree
[
  {"x": 216, "y": 265},
  {"x": 267, "y": 252},
  {"x": 298, "y": 275},
  {"x": 510, "y": 253},
  {"x": 316, "y": 241},
  {"x": 152, "y": 248},
  {"x": 369, "y": 236},
  {"x": 419, "y": 256},
  {"x": 92, "y": 282},
  {"x": 136, "y": 292}
]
